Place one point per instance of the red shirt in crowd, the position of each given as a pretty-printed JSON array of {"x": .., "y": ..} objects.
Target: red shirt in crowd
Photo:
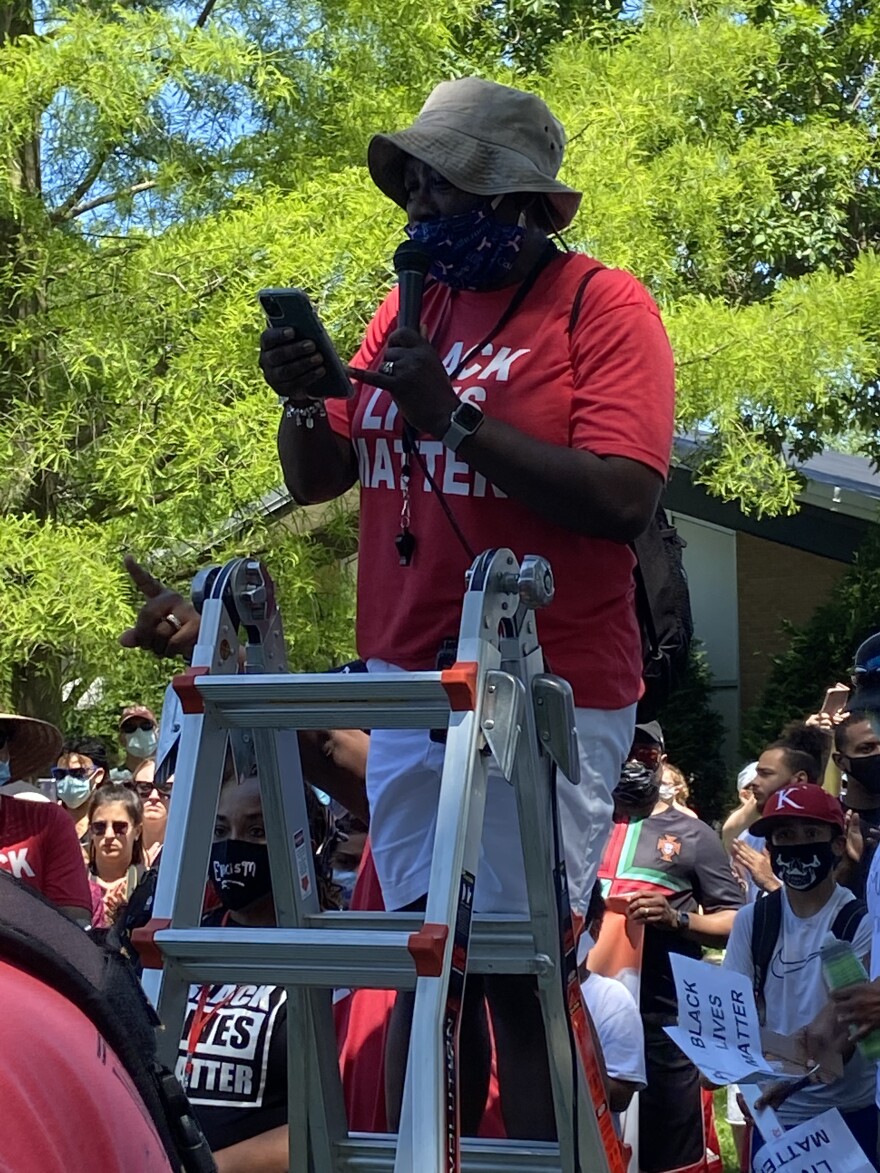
[
  {"x": 39, "y": 846},
  {"x": 606, "y": 389}
]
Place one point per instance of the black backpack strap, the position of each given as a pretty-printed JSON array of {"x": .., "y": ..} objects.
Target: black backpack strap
[
  {"x": 848, "y": 919},
  {"x": 579, "y": 297},
  {"x": 37, "y": 938},
  {"x": 765, "y": 932}
]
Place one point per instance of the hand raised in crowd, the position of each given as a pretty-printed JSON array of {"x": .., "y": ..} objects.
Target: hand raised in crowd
[
  {"x": 414, "y": 376},
  {"x": 825, "y": 722},
  {"x": 166, "y": 624},
  {"x": 858, "y": 1006},
  {"x": 650, "y": 908},
  {"x": 756, "y": 863},
  {"x": 857, "y": 836}
]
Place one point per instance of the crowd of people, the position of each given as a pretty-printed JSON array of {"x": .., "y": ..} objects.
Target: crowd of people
[{"x": 533, "y": 409}]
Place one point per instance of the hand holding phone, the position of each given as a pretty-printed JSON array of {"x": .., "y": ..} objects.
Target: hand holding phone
[
  {"x": 835, "y": 700},
  {"x": 291, "y": 308}
]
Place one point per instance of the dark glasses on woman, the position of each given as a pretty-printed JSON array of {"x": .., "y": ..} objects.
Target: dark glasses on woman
[
  {"x": 99, "y": 827},
  {"x": 145, "y": 789}
]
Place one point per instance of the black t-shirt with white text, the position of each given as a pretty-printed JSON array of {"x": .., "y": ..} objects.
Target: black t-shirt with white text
[{"x": 237, "y": 1081}]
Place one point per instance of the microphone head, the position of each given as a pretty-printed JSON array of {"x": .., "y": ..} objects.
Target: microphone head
[{"x": 411, "y": 257}]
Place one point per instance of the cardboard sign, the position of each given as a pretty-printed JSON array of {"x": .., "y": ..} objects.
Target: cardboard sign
[
  {"x": 718, "y": 1022},
  {"x": 822, "y": 1145}
]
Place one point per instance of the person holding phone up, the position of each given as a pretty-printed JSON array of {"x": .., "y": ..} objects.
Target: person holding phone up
[{"x": 534, "y": 410}]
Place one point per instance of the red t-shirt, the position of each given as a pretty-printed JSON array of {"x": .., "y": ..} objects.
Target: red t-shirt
[
  {"x": 608, "y": 390},
  {"x": 68, "y": 1103},
  {"x": 39, "y": 846}
]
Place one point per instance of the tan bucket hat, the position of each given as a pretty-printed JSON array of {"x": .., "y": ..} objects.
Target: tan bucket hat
[
  {"x": 33, "y": 745},
  {"x": 484, "y": 138}
]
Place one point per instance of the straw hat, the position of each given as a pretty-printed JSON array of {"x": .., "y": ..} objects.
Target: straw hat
[
  {"x": 33, "y": 745},
  {"x": 484, "y": 138}
]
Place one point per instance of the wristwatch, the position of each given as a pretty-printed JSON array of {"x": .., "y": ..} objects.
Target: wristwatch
[
  {"x": 684, "y": 921},
  {"x": 466, "y": 420}
]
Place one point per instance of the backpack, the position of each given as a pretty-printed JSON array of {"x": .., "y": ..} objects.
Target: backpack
[
  {"x": 99, "y": 981},
  {"x": 765, "y": 932},
  {"x": 663, "y": 605}
]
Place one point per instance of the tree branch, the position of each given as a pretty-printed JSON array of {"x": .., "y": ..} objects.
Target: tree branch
[
  {"x": 90, "y": 205},
  {"x": 63, "y": 211},
  {"x": 202, "y": 19}
]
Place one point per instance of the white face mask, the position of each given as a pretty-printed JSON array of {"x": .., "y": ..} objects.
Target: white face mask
[
  {"x": 667, "y": 793},
  {"x": 142, "y": 743}
]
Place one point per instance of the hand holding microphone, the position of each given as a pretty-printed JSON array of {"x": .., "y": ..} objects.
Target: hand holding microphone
[{"x": 411, "y": 370}]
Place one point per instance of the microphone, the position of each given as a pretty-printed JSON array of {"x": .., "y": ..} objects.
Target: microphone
[{"x": 411, "y": 264}]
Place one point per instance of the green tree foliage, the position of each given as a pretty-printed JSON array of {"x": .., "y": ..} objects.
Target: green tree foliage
[
  {"x": 820, "y": 652},
  {"x": 161, "y": 163}
]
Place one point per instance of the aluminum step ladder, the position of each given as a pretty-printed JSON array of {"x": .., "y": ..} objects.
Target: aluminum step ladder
[{"x": 495, "y": 699}]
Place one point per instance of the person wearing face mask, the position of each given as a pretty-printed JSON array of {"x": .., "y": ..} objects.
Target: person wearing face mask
[
  {"x": 676, "y": 878},
  {"x": 139, "y": 738},
  {"x": 27, "y": 748},
  {"x": 533, "y": 411},
  {"x": 781, "y": 764},
  {"x": 81, "y": 768},
  {"x": 805, "y": 833},
  {"x": 232, "y": 1059}
]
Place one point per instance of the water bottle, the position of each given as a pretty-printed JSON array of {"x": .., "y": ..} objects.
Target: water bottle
[{"x": 842, "y": 968}]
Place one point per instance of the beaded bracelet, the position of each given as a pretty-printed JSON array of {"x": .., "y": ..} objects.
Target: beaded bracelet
[{"x": 304, "y": 414}]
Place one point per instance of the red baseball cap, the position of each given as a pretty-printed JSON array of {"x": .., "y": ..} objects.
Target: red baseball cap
[
  {"x": 807, "y": 801},
  {"x": 137, "y": 711}
]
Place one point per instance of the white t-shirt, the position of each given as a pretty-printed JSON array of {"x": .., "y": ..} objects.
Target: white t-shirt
[
  {"x": 618, "y": 1024},
  {"x": 795, "y": 992}
]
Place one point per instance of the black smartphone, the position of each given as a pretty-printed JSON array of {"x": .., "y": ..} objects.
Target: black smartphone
[{"x": 291, "y": 307}]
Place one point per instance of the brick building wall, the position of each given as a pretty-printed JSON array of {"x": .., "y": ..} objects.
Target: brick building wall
[{"x": 774, "y": 583}]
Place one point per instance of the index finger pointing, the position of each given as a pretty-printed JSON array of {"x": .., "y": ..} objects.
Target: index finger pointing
[{"x": 149, "y": 586}]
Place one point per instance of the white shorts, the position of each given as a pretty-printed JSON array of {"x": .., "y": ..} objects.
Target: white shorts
[{"x": 403, "y": 787}]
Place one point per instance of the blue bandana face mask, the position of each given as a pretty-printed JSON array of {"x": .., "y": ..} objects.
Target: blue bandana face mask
[{"x": 470, "y": 251}]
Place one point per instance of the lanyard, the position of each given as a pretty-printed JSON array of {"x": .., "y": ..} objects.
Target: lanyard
[
  {"x": 203, "y": 1016},
  {"x": 405, "y": 542}
]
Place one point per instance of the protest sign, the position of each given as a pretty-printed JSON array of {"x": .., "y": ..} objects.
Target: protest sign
[
  {"x": 766, "y": 1120},
  {"x": 717, "y": 1022},
  {"x": 821, "y": 1145}
]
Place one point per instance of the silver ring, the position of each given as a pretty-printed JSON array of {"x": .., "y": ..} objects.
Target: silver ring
[
  {"x": 173, "y": 620},
  {"x": 386, "y": 368}
]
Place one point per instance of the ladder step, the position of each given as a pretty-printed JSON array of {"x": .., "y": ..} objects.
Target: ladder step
[
  {"x": 366, "y": 1153},
  {"x": 360, "y": 700},
  {"x": 337, "y": 950}
]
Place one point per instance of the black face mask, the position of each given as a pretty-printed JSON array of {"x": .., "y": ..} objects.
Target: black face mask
[
  {"x": 802, "y": 866},
  {"x": 638, "y": 786},
  {"x": 865, "y": 771},
  {"x": 240, "y": 872}
]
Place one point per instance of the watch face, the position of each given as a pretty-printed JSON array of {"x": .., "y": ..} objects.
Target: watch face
[{"x": 467, "y": 416}]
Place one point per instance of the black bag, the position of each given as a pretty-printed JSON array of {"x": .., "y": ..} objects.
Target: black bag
[
  {"x": 663, "y": 605},
  {"x": 663, "y": 608},
  {"x": 765, "y": 932},
  {"x": 37, "y": 938}
]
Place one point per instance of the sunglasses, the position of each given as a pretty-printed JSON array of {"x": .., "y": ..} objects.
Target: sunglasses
[
  {"x": 59, "y": 772},
  {"x": 142, "y": 723},
  {"x": 648, "y": 755},
  {"x": 145, "y": 789},
  {"x": 99, "y": 827}
]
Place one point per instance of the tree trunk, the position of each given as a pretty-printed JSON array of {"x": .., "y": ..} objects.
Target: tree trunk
[{"x": 36, "y": 683}]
